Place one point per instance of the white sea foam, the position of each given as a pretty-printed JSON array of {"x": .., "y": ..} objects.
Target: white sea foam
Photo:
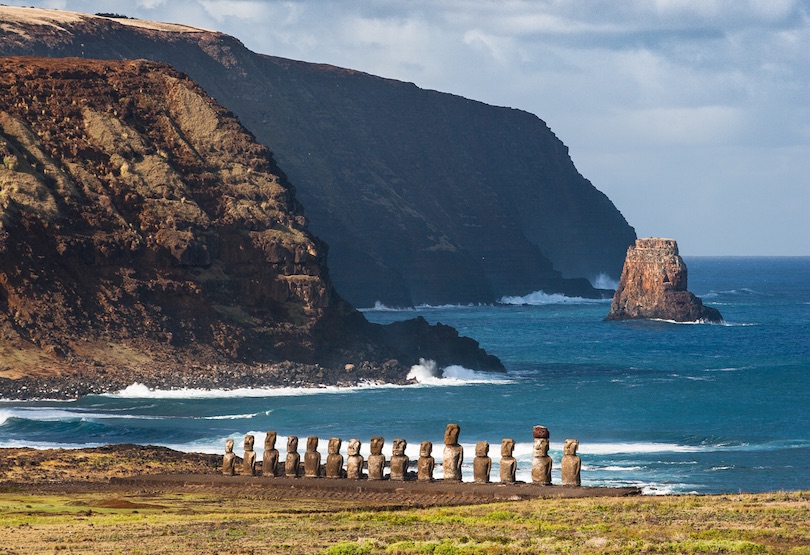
[
  {"x": 603, "y": 281},
  {"x": 232, "y": 416},
  {"x": 539, "y": 298},
  {"x": 427, "y": 373},
  {"x": 140, "y": 391}
]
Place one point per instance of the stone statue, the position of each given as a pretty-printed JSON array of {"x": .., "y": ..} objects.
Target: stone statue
[
  {"x": 426, "y": 463},
  {"x": 376, "y": 461},
  {"x": 270, "y": 460},
  {"x": 399, "y": 461},
  {"x": 453, "y": 454},
  {"x": 229, "y": 459},
  {"x": 571, "y": 464},
  {"x": 312, "y": 459},
  {"x": 334, "y": 460},
  {"x": 482, "y": 463},
  {"x": 541, "y": 463},
  {"x": 508, "y": 462},
  {"x": 249, "y": 460},
  {"x": 354, "y": 464},
  {"x": 293, "y": 462}
]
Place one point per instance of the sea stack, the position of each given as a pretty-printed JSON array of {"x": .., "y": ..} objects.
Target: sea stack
[{"x": 654, "y": 286}]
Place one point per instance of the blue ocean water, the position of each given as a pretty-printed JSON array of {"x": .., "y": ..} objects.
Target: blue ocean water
[{"x": 671, "y": 408}]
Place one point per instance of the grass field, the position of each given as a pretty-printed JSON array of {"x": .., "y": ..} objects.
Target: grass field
[{"x": 237, "y": 521}]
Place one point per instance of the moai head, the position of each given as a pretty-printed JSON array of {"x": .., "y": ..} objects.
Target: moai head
[
  {"x": 540, "y": 447},
  {"x": 292, "y": 444},
  {"x": 229, "y": 446},
  {"x": 249, "y": 440},
  {"x": 425, "y": 449},
  {"x": 334, "y": 445},
  {"x": 312, "y": 444},
  {"x": 399, "y": 447},
  {"x": 481, "y": 449},
  {"x": 571, "y": 446},
  {"x": 507, "y": 447},
  {"x": 377, "y": 445},
  {"x": 354, "y": 447},
  {"x": 451, "y": 434},
  {"x": 270, "y": 441}
]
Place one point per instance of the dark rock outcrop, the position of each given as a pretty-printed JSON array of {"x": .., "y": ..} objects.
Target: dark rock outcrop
[
  {"x": 653, "y": 286},
  {"x": 145, "y": 235},
  {"x": 423, "y": 197}
]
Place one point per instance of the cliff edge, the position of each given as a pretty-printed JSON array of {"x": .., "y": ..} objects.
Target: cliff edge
[
  {"x": 146, "y": 236},
  {"x": 654, "y": 286},
  {"x": 422, "y": 196}
]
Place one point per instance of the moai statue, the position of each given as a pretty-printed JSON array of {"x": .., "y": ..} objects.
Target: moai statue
[
  {"x": 399, "y": 461},
  {"x": 541, "y": 462},
  {"x": 571, "y": 464},
  {"x": 334, "y": 460},
  {"x": 482, "y": 463},
  {"x": 453, "y": 454},
  {"x": 270, "y": 459},
  {"x": 293, "y": 462},
  {"x": 508, "y": 462},
  {"x": 426, "y": 463},
  {"x": 229, "y": 459},
  {"x": 376, "y": 461},
  {"x": 354, "y": 464},
  {"x": 249, "y": 460},
  {"x": 312, "y": 459}
]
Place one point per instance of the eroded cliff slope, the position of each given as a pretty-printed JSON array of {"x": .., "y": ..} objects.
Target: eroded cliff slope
[
  {"x": 144, "y": 233},
  {"x": 423, "y": 197}
]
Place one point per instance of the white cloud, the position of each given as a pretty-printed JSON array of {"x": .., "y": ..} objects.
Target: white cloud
[{"x": 704, "y": 98}]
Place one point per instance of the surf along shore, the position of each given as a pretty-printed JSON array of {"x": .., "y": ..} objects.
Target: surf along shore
[{"x": 136, "y": 499}]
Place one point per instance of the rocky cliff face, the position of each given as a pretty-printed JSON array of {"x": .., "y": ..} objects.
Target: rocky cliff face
[
  {"x": 143, "y": 230},
  {"x": 423, "y": 197},
  {"x": 654, "y": 286}
]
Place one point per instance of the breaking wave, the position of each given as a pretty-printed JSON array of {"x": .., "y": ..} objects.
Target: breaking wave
[
  {"x": 603, "y": 281},
  {"x": 427, "y": 373}
]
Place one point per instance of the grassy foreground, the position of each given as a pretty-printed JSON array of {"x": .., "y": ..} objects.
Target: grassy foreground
[{"x": 101, "y": 522}]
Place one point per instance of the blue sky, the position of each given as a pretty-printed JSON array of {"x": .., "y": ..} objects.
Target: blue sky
[{"x": 693, "y": 116}]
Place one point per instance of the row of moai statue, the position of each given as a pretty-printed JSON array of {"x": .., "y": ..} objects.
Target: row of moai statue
[{"x": 399, "y": 462}]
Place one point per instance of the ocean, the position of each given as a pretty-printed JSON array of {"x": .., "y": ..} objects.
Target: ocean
[{"x": 670, "y": 408}]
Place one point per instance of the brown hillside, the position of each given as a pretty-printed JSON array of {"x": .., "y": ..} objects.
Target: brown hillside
[{"x": 145, "y": 234}]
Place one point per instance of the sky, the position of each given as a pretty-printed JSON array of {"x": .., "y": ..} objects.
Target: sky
[{"x": 693, "y": 116}]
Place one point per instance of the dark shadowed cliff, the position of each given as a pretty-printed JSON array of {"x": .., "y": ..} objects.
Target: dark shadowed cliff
[
  {"x": 423, "y": 197},
  {"x": 145, "y": 235}
]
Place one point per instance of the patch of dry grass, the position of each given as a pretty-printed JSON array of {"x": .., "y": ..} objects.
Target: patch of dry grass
[{"x": 242, "y": 522}]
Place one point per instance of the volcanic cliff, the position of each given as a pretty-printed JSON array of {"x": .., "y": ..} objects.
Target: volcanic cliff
[
  {"x": 423, "y": 197},
  {"x": 654, "y": 286},
  {"x": 145, "y": 235}
]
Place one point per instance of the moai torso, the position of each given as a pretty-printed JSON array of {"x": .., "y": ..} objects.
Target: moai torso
[
  {"x": 571, "y": 464},
  {"x": 426, "y": 463},
  {"x": 270, "y": 458},
  {"x": 354, "y": 463},
  {"x": 482, "y": 464},
  {"x": 293, "y": 461},
  {"x": 453, "y": 454},
  {"x": 541, "y": 463},
  {"x": 229, "y": 459},
  {"x": 376, "y": 461},
  {"x": 249, "y": 461},
  {"x": 508, "y": 462},
  {"x": 399, "y": 461},
  {"x": 334, "y": 460},
  {"x": 312, "y": 459}
]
